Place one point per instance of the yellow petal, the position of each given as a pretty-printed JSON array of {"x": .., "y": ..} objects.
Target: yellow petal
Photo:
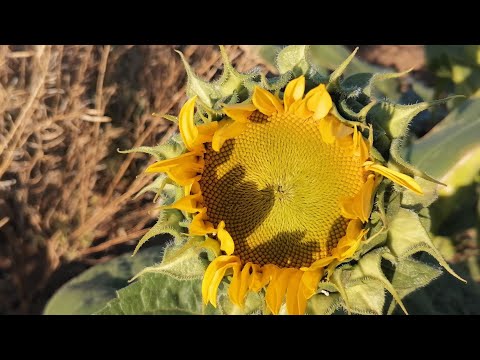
[
  {"x": 240, "y": 285},
  {"x": 360, "y": 206},
  {"x": 234, "y": 287},
  {"x": 326, "y": 126},
  {"x": 354, "y": 229},
  {"x": 239, "y": 112},
  {"x": 395, "y": 176},
  {"x": 348, "y": 244},
  {"x": 309, "y": 284},
  {"x": 217, "y": 278},
  {"x": 308, "y": 287},
  {"x": 210, "y": 272},
  {"x": 299, "y": 108},
  {"x": 261, "y": 276},
  {"x": 186, "y": 124},
  {"x": 277, "y": 288},
  {"x": 187, "y": 159},
  {"x": 213, "y": 245},
  {"x": 227, "y": 129},
  {"x": 247, "y": 279},
  {"x": 266, "y": 102},
  {"x": 342, "y": 130},
  {"x": 199, "y": 225},
  {"x": 195, "y": 188},
  {"x": 183, "y": 175},
  {"x": 226, "y": 241},
  {"x": 361, "y": 146},
  {"x": 184, "y": 169},
  {"x": 205, "y": 133},
  {"x": 292, "y": 292},
  {"x": 320, "y": 102},
  {"x": 320, "y": 263},
  {"x": 191, "y": 189},
  {"x": 294, "y": 91},
  {"x": 214, "y": 275},
  {"x": 189, "y": 203}
]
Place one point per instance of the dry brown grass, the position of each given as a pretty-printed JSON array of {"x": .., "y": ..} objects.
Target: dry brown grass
[{"x": 65, "y": 193}]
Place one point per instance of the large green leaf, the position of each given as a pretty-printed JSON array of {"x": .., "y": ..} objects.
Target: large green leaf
[
  {"x": 449, "y": 142},
  {"x": 91, "y": 290},
  {"x": 159, "y": 294}
]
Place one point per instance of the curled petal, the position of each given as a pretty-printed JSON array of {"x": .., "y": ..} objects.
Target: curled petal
[
  {"x": 239, "y": 112},
  {"x": 227, "y": 129},
  {"x": 226, "y": 240},
  {"x": 266, "y": 102},
  {"x": 360, "y": 205},
  {"x": 395, "y": 176},
  {"x": 294, "y": 92},
  {"x": 188, "y": 130}
]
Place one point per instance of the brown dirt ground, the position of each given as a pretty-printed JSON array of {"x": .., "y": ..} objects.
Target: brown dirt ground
[{"x": 66, "y": 195}]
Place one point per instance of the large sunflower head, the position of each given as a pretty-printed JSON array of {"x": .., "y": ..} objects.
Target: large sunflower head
[{"x": 290, "y": 193}]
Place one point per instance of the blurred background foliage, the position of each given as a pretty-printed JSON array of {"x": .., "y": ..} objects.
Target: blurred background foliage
[{"x": 66, "y": 195}]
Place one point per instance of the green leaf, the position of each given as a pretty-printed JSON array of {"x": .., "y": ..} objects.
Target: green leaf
[
  {"x": 331, "y": 56},
  {"x": 457, "y": 67},
  {"x": 293, "y": 59},
  {"x": 407, "y": 236},
  {"x": 394, "y": 118},
  {"x": 430, "y": 194},
  {"x": 321, "y": 304},
  {"x": 445, "y": 246},
  {"x": 92, "y": 289},
  {"x": 159, "y": 294},
  {"x": 446, "y": 144},
  {"x": 366, "y": 296},
  {"x": 254, "y": 303},
  {"x": 268, "y": 53},
  {"x": 180, "y": 261},
  {"x": 365, "y": 284},
  {"x": 411, "y": 275}
]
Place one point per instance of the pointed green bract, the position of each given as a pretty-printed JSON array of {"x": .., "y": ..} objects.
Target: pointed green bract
[
  {"x": 407, "y": 236},
  {"x": 334, "y": 81},
  {"x": 205, "y": 91},
  {"x": 411, "y": 275},
  {"x": 168, "y": 223}
]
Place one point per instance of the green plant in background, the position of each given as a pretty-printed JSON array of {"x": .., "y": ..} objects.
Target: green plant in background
[
  {"x": 456, "y": 67},
  {"x": 379, "y": 238},
  {"x": 451, "y": 153}
]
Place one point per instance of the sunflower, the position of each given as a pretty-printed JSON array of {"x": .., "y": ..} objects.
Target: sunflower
[
  {"x": 278, "y": 195},
  {"x": 281, "y": 189}
]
